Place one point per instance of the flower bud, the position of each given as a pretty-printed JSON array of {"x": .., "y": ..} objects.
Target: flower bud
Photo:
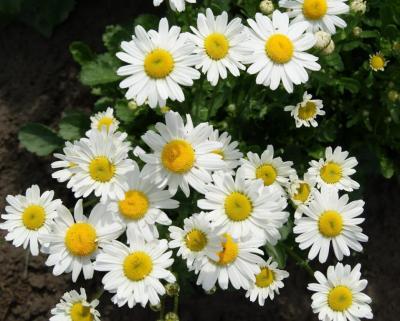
[
  {"x": 266, "y": 7},
  {"x": 172, "y": 289},
  {"x": 358, "y": 6},
  {"x": 155, "y": 307},
  {"x": 357, "y": 31},
  {"x": 171, "y": 316},
  {"x": 329, "y": 49},
  {"x": 322, "y": 39},
  {"x": 132, "y": 105},
  {"x": 211, "y": 291},
  {"x": 393, "y": 96}
]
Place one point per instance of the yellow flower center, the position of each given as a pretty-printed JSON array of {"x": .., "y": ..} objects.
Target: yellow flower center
[
  {"x": 377, "y": 62},
  {"x": 279, "y": 48},
  {"x": 159, "y": 63},
  {"x": 34, "y": 217},
  {"x": 331, "y": 173},
  {"x": 340, "y": 298},
  {"x": 80, "y": 239},
  {"x": 315, "y": 9},
  {"x": 178, "y": 156},
  {"x": 219, "y": 152},
  {"x": 137, "y": 266},
  {"x": 267, "y": 173},
  {"x": 134, "y": 206},
  {"x": 238, "y": 206},
  {"x": 307, "y": 111},
  {"x": 230, "y": 251},
  {"x": 330, "y": 223},
  {"x": 101, "y": 169},
  {"x": 303, "y": 192},
  {"x": 265, "y": 277},
  {"x": 79, "y": 312},
  {"x": 105, "y": 121},
  {"x": 216, "y": 45},
  {"x": 195, "y": 240}
]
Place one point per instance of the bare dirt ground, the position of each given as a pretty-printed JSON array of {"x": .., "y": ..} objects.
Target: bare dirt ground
[{"x": 38, "y": 80}]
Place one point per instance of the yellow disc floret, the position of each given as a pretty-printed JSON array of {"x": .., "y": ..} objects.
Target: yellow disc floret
[
  {"x": 105, "y": 122},
  {"x": 279, "y": 48},
  {"x": 315, "y": 9},
  {"x": 33, "y": 217},
  {"x": 134, "y": 206},
  {"x": 178, "y": 156},
  {"x": 137, "y": 266},
  {"x": 265, "y": 277},
  {"x": 331, "y": 173},
  {"x": 340, "y": 298},
  {"x": 267, "y": 173},
  {"x": 330, "y": 223},
  {"x": 230, "y": 251},
  {"x": 216, "y": 46},
  {"x": 196, "y": 240},
  {"x": 377, "y": 62},
  {"x": 238, "y": 206},
  {"x": 80, "y": 239},
  {"x": 79, "y": 312},
  {"x": 307, "y": 111},
  {"x": 101, "y": 169},
  {"x": 303, "y": 192},
  {"x": 159, "y": 63}
]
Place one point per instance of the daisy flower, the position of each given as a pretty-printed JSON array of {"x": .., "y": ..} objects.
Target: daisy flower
[
  {"x": 377, "y": 61},
  {"x": 330, "y": 219},
  {"x": 306, "y": 111},
  {"x": 244, "y": 207},
  {"x": 27, "y": 216},
  {"x": 220, "y": 45},
  {"x": 196, "y": 241},
  {"x": 238, "y": 263},
  {"x": 335, "y": 170},
  {"x": 104, "y": 119},
  {"x": 339, "y": 295},
  {"x": 268, "y": 282},
  {"x": 65, "y": 167},
  {"x": 301, "y": 193},
  {"x": 134, "y": 273},
  {"x": 278, "y": 51},
  {"x": 74, "y": 241},
  {"x": 320, "y": 14},
  {"x": 159, "y": 63},
  {"x": 274, "y": 172},
  {"x": 100, "y": 165},
  {"x": 74, "y": 306},
  {"x": 176, "y": 5},
  {"x": 182, "y": 154},
  {"x": 229, "y": 152},
  {"x": 140, "y": 209}
]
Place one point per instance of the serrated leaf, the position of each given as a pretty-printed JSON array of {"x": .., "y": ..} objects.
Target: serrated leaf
[
  {"x": 113, "y": 36},
  {"x": 81, "y": 52},
  {"x": 102, "y": 70},
  {"x": 74, "y": 125},
  {"x": 39, "y": 139}
]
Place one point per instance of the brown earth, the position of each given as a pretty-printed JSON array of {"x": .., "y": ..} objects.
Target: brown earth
[{"x": 38, "y": 80}]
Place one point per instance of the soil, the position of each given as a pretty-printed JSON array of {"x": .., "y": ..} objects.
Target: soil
[{"x": 38, "y": 81}]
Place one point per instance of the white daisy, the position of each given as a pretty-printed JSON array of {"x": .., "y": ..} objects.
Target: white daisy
[
  {"x": 306, "y": 111},
  {"x": 182, "y": 155},
  {"x": 301, "y": 193},
  {"x": 239, "y": 262},
  {"x": 135, "y": 272},
  {"x": 330, "y": 219},
  {"x": 339, "y": 295},
  {"x": 220, "y": 45},
  {"x": 244, "y": 207},
  {"x": 229, "y": 152},
  {"x": 104, "y": 119},
  {"x": 278, "y": 51},
  {"x": 274, "y": 172},
  {"x": 27, "y": 216},
  {"x": 65, "y": 168},
  {"x": 176, "y": 5},
  {"x": 196, "y": 241},
  {"x": 159, "y": 63},
  {"x": 140, "y": 209},
  {"x": 100, "y": 164},
  {"x": 74, "y": 241},
  {"x": 320, "y": 14},
  {"x": 335, "y": 170},
  {"x": 268, "y": 282},
  {"x": 74, "y": 306}
]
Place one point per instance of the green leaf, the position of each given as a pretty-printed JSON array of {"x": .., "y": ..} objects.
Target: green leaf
[
  {"x": 124, "y": 113},
  {"x": 147, "y": 21},
  {"x": 113, "y": 36},
  {"x": 81, "y": 52},
  {"x": 102, "y": 70},
  {"x": 277, "y": 253},
  {"x": 350, "y": 84},
  {"x": 74, "y": 125},
  {"x": 39, "y": 139}
]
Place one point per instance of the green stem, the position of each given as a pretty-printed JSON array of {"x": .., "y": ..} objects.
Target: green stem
[
  {"x": 300, "y": 261},
  {"x": 176, "y": 304},
  {"x": 162, "y": 308}
]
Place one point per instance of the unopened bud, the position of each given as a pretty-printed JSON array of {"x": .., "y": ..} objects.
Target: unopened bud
[
  {"x": 329, "y": 49},
  {"x": 171, "y": 316},
  {"x": 155, "y": 307},
  {"x": 172, "y": 289},
  {"x": 393, "y": 96},
  {"x": 322, "y": 39},
  {"x": 358, "y": 6},
  {"x": 211, "y": 291},
  {"x": 132, "y": 105},
  {"x": 266, "y": 7}
]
